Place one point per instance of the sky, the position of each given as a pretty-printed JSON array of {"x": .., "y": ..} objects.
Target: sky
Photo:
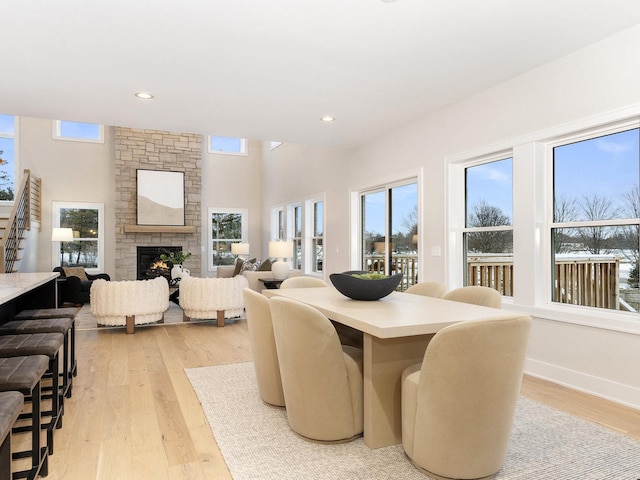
[
  {"x": 607, "y": 166},
  {"x": 405, "y": 199}
]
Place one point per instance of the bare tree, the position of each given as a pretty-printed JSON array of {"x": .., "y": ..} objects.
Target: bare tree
[
  {"x": 597, "y": 240},
  {"x": 485, "y": 215},
  {"x": 564, "y": 210},
  {"x": 631, "y": 234}
]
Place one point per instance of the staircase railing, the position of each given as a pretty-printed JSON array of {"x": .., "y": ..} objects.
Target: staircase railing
[{"x": 27, "y": 206}]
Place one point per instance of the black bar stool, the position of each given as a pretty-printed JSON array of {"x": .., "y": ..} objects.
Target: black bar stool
[
  {"x": 48, "y": 344},
  {"x": 11, "y": 405},
  {"x": 24, "y": 374},
  {"x": 66, "y": 312},
  {"x": 47, "y": 325}
]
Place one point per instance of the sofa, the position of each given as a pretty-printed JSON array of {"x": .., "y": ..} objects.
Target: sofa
[
  {"x": 76, "y": 287},
  {"x": 253, "y": 277}
]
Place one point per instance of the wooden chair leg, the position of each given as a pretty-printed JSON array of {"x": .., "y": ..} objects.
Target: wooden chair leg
[
  {"x": 131, "y": 323},
  {"x": 221, "y": 318}
]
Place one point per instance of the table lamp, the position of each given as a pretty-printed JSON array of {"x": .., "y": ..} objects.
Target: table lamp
[
  {"x": 239, "y": 249},
  {"x": 280, "y": 250},
  {"x": 62, "y": 235}
]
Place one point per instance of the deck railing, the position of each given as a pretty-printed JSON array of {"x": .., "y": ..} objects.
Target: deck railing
[
  {"x": 405, "y": 264},
  {"x": 592, "y": 281}
]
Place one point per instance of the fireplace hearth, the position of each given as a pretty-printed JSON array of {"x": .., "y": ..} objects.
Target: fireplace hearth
[{"x": 147, "y": 266}]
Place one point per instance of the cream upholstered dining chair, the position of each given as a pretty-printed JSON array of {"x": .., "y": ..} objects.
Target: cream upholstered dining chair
[
  {"x": 458, "y": 407},
  {"x": 321, "y": 379},
  {"x": 303, "y": 282},
  {"x": 484, "y": 296},
  {"x": 428, "y": 289},
  {"x": 263, "y": 347}
]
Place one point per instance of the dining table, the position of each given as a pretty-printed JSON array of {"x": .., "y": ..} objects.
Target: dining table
[{"x": 396, "y": 331}]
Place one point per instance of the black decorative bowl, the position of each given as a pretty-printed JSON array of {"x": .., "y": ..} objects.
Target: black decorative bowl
[{"x": 364, "y": 289}]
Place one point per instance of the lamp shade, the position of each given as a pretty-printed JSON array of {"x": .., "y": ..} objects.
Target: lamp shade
[
  {"x": 279, "y": 249},
  {"x": 240, "y": 248},
  {"x": 62, "y": 235}
]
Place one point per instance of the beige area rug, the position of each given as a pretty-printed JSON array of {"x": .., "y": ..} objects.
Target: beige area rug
[
  {"x": 173, "y": 316},
  {"x": 257, "y": 443}
]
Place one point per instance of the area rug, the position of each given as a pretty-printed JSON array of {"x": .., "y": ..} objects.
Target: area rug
[{"x": 257, "y": 443}]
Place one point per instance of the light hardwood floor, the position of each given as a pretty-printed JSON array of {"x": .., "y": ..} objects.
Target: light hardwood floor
[{"x": 134, "y": 415}]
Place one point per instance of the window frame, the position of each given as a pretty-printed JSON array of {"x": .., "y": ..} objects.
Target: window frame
[
  {"x": 16, "y": 153},
  {"x": 244, "y": 228},
  {"x": 57, "y": 132},
  {"x": 244, "y": 146},
  {"x": 533, "y": 213},
  {"x": 484, "y": 160},
  {"x": 55, "y": 223}
]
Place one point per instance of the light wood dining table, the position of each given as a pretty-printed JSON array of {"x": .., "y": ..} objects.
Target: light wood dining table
[{"x": 396, "y": 330}]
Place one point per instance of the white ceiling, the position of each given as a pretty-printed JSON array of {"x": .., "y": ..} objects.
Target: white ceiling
[{"x": 269, "y": 69}]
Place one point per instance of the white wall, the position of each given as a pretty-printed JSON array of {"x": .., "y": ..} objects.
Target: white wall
[
  {"x": 233, "y": 181},
  {"x": 71, "y": 172},
  {"x": 595, "y": 81}
]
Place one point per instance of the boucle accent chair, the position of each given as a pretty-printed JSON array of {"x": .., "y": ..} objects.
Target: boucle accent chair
[
  {"x": 263, "y": 347},
  {"x": 218, "y": 298},
  {"x": 458, "y": 405},
  {"x": 129, "y": 302},
  {"x": 484, "y": 296},
  {"x": 427, "y": 289},
  {"x": 321, "y": 379}
]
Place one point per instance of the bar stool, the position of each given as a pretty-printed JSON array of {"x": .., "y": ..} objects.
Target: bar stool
[
  {"x": 47, "y": 325},
  {"x": 24, "y": 374},
  {"x": 48, "y": 344},
  {"x": 11, "y": 404},
  {"x": 66, "y": 312}
]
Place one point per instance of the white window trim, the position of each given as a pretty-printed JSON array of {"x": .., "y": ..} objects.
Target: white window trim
[
  {"x": 55, "y": 223},
  {"x": 306, "y": 209},
  {"x": 244, "y": 147},
  {"x": 532, "y": 219},
  {"x": 16, "y": 158},
  {"x": 244, "y": 212},
  {"x": 57, "y": 135}
]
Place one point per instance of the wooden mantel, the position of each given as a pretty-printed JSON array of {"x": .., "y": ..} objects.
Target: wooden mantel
[{"x": 159, "y": 229}]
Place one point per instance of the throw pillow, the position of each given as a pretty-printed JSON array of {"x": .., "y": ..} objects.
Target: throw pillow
[
  {"x": 265, "y": 266},
  {"x": 75, "y": 272},
  {"x": 250, "y": 266},
  {"x": 238, "y": 268}
]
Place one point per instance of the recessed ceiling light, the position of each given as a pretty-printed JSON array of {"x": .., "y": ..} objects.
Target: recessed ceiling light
[
  {"x": 328, "y": 119},
  {"x": 144, "y": 95}
]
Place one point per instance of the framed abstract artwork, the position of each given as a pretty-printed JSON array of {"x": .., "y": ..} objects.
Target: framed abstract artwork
[{"x": 160, "y": 197}]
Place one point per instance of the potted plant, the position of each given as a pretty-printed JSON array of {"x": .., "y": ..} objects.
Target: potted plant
[{"x": 176, "y": 259}]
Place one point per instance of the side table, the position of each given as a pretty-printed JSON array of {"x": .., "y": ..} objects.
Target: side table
[{"x": 271, "y": 283}]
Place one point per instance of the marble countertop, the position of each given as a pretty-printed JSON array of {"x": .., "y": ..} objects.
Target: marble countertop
[{"x": 13, "y": 285}]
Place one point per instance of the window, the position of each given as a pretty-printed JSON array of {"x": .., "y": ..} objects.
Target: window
[
  {"x": 87, "y": 248},
  {"x": 7, "y": 157},
  {"x": 303, "y": 223},
  {"x": 389, "y": 229},
  {"x": 78, "y": 131},
  {"x": 227, "y": 226},
  {"x": 297, "y": 236},
  {"x": 228, "y": 145},
  {"x": 488, "y": 232},
  {"x": 595, "y": 234},
  {"x": 317, "y": 249}
]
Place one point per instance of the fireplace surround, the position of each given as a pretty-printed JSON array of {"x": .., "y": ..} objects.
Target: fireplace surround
[{"x": 146, "y": 256}]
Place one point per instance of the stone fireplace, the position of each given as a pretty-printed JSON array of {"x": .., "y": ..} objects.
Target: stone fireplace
[{"x": 156, "y": 150}]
